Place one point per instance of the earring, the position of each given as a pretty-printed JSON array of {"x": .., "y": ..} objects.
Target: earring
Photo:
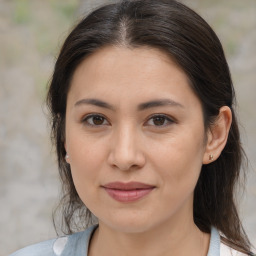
[
  {"x": 66, "y": 157},
  {"x": 210, "y": 157}
]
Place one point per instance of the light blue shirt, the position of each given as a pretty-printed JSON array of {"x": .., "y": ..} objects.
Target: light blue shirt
[{"x": 78, "y": 243}]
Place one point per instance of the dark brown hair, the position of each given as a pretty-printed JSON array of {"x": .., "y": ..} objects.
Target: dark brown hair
[{"x": 189, "y": 41}]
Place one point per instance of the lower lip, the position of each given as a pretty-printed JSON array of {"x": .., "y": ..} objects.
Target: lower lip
[{"x": 125, "y": 196}]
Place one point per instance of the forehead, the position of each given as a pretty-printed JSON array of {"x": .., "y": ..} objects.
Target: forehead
[
  {"x": 109, "y": 58},
  {"x": 129, "y": 73}
]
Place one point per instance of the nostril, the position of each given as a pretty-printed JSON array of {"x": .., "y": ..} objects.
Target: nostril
[{"x": 125, "y": 154}]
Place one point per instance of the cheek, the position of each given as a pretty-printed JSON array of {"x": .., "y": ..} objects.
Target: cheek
[
  {"x": 179, "y": 158},
  {"x": 86, "y": 158},
  {"x": 85, "y": 172},
  {"x": 84, "y": 150}
]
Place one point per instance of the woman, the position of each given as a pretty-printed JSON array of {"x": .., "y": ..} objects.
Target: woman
[{"x": 143, "y": 120}]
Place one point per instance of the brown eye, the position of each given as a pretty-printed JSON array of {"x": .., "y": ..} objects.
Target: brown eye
[
  {"x": 98, "y": 120},
  {"x": 160, "y": 121},
  {"x": 95, "y": 120}
]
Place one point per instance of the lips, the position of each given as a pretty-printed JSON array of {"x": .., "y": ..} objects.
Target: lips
[{"x": 127, "y": 192}]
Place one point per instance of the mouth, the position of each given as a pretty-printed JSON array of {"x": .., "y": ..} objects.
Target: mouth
[{"x": 128, "y": 192}]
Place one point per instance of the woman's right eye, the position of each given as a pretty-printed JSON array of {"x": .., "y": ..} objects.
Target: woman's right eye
[{"x": 95, "y": 120}]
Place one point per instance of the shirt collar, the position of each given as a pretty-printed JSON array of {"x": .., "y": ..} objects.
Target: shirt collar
[{"x": 214, "y": 248}]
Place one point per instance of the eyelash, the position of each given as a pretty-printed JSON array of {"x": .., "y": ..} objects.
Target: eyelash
[
  {"x": 166, "y": 119},
  {"x": 86, "y": 118}
]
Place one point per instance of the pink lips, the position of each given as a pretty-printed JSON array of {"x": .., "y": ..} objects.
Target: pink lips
[{"x": 127, "y": 192}]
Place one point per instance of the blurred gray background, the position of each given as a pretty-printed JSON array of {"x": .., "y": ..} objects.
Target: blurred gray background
[{"x": 31, "y": 33}]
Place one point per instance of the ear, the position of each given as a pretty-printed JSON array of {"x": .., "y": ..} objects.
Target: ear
[
  {"x": 67, "y": 156},
  {"x": 217, "y": 135}
]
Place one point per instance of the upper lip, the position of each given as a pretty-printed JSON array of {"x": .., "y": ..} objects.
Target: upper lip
[{"x": 127, "y": 186}]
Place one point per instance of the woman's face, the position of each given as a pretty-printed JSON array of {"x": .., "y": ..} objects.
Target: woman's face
[{"x": 135, "y": 138}]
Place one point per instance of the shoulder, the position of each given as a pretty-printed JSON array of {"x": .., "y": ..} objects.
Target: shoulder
[
  {"x": 218, "y": 248},
  {"x": 44, "y": 248},
  {"x": 225, "y": 250},
  {"x": 75, "y": 244}
]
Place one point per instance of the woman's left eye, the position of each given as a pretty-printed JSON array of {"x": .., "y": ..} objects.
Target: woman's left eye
[{"x": 159, "y": 120}]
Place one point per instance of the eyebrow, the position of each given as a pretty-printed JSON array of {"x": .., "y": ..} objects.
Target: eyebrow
[
  {"x": 159, "y": 103},
  {"x": 141, "y": 107},
  {"x": 95, "y": 102}
]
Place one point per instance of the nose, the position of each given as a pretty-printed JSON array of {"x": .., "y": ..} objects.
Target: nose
[{"x": 126, "y": 150}]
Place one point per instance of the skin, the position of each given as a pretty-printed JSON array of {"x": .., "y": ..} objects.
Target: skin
[{"x": 130, "y": 144}]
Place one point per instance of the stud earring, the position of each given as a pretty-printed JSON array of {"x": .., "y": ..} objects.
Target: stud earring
[
  {"x": 66, "y": 157},
  {"x": 210, "y": 157}
]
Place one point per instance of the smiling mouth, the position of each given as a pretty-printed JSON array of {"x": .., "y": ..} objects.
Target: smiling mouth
[{"x": 127, "y": 192}]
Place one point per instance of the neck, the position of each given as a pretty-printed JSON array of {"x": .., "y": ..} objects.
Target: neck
[{"x": 166, "y": 239}]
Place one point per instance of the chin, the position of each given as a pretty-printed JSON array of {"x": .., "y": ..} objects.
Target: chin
[{"x": 129, "y": 224}]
